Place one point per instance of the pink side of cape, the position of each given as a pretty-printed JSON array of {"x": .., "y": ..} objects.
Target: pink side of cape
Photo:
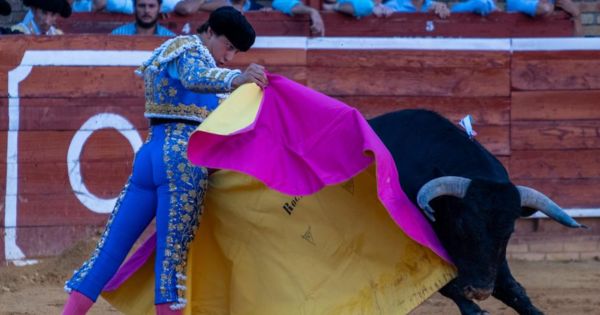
[{"x": 300, "y": 142}]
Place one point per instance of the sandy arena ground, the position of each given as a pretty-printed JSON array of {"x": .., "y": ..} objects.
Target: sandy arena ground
[{"x": 559, "y": 288}]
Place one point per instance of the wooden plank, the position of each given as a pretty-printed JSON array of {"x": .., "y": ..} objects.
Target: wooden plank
[
  {"x": 494, "y": 138},
  {"x": 106, "y": 26},
  {"x": 105, "y": 178},
  {"x": 484, "y": 110},
  {"x": 555, "y": 105},
  {"x": 566, "y": 134},
  {"x": 555, "y": 164},
  {"x": 568, "y": 193},
  {"x": 556, "y": 71},
  {"x": 298, "y": 74},
  {"x": 77, "y": 82},
  {"x": 57, "y": 209},
  {"x": 95, "y": 82},
  {"x": 495, "y": 25},
  {"x": 264, "y": 23},
  {"x": 278, "y": 24},
  {"x": 4, "y": 80},
  {"x": 420, "y": 59},
  {"x": 270, "y": 57},
  {"x": 498, "y": 24},
  {"x": 52, "y": 146},
  {"x": 11, "y": 51},
  {"x": 410, "y": 81},
  {"x": 38, "y": 114},
  {"x": 559, "y": 24},
  {"x": 13, "y": 47}
]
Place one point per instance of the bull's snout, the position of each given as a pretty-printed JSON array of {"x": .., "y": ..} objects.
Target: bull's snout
[{"x": 477, "y": 293}]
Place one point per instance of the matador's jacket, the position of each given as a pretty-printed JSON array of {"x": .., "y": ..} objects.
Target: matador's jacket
[
  {"x": 29, "y": 27},
  {"x": 182, "y": 86}
]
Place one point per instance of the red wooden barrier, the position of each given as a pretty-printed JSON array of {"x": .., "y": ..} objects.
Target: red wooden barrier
[
  {"x": 495, "y": 25},
  {"x": 537, "y": 111}
]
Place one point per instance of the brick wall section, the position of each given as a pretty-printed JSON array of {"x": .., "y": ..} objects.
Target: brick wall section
[
  {"x": 590, "y": 17},
  {"x": 555, "y": 247},
  {"x": 543, "y": 239},
  {"x": 590, "y": 14}
]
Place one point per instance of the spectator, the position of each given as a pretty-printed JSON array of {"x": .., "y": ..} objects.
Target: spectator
[
  {"x": 249, "y": 5},
  {"x": 187, "y": 7},
  {"x": 147, "y": 13},
  {"x": 357, "y": 8},
  {"x": 127, "y": 6},
  {"x": 43, "y": 17},
  {"x": 291, "y": 7},
  {"x": 82, "y": 5},
  {"x": 360, "y": 8},
  {"x": 546, "y": 7},
  {"x": 481, "y": 7}
]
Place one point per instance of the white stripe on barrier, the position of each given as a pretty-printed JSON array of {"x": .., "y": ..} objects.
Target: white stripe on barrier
[
  {"x": 281, "y": 42},
  {"x": 84, "y": 57},
  {"x": 397, "y": 43},
  {"x": 555, "y": 44}
]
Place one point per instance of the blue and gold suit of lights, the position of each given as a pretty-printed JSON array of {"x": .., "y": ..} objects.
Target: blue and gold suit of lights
[{"x": 183, "y": 84}]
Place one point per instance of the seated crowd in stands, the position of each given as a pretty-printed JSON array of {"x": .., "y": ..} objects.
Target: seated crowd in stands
[{"x": 41, "y": 18}]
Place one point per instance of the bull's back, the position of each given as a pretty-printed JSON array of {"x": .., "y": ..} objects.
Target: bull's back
[{"x": 426, "y": 145}]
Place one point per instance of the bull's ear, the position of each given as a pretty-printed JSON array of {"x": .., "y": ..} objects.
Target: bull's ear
[{"x": 525, "y": 211}]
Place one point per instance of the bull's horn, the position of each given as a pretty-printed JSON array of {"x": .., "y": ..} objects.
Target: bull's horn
[
  {"x": 441, "y": 186},
  {"x": 534, "y": 199}
]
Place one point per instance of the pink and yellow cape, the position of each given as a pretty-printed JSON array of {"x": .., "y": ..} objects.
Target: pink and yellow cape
[{"x": 306, "y": 216}]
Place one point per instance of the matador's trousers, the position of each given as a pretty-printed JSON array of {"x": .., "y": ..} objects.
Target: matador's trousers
[{"x": 165, "y": 185}]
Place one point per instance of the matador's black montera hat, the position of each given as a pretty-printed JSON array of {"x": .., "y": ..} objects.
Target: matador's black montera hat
[
  {"x": 232, "y": 24},
  {"x": 61, "y": 7},
  {"x": 4, "y": 7}
]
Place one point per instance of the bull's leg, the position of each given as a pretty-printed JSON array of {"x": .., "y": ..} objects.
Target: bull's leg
[
  {"x": 466, "y": 306},
  {"x": 511, "y": 293}
]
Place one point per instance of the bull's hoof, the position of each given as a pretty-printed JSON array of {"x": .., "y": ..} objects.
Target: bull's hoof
[
  {"x": 533, "y": 311},
  {"x": 479, "y": 312},
  {"x": 474, "y": 311}
]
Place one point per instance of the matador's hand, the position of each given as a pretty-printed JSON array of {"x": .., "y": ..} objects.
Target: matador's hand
[
  {"x": 253, "y": 74},
  {"x": 441, "y": 10}
]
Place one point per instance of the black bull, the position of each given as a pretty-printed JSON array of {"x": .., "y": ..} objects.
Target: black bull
[{"x": 471, "y": 203}]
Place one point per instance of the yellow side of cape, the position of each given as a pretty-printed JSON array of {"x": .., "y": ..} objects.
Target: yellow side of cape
[
  {"x": 259, "y": 252},
  {"x": 236, "y": 112}
]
